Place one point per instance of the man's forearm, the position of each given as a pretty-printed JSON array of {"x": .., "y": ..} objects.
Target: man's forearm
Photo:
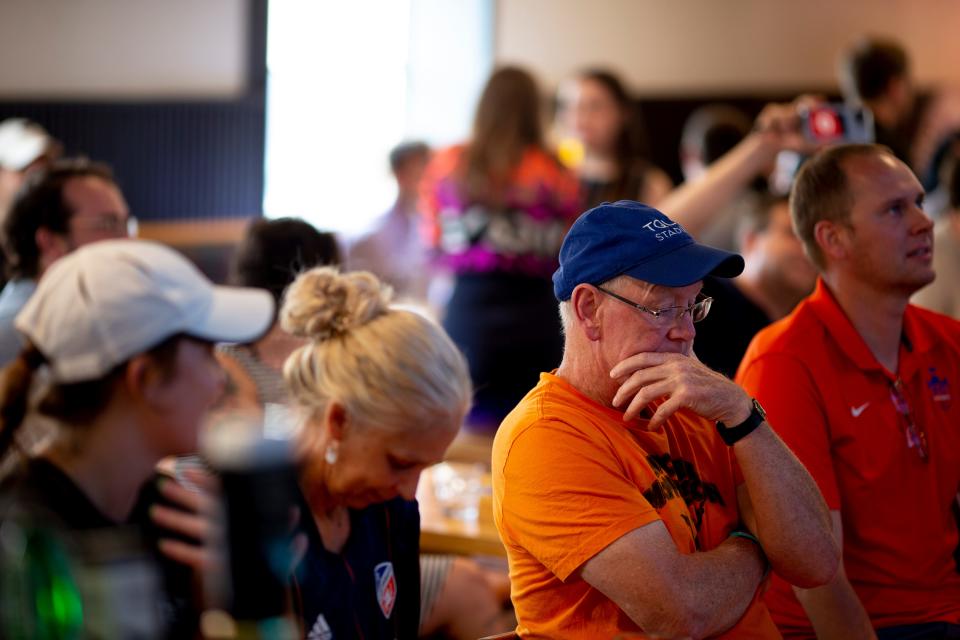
[
  {"x": 791, "y": 518},
  {"x": 722, "y": 583},
  {"x": 670, "y": 594},
  {"x": 835, "y": 611},
  {"x": 693, "y": 204}
]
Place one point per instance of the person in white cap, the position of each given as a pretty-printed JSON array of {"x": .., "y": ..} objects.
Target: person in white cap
[
  {"x": 24, "y": 147},
  {"x": 124, "y": 331}
]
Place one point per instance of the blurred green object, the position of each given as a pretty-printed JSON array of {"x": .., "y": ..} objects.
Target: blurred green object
[{"x": 38, "y": 592}]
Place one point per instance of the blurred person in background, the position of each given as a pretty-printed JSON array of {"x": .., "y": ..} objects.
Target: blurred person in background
[
  {"x": 876, "y": 72},
  {"x": 24, "y": 148},
  {"x": 709, "y": 133},
  {"x": 383, "y": 392},
  {"x": 70, "y": 204},
  {"x": 497, "y": 209},
  {"x": 394, "y": 249},
  {"x": 697, "y": 203},
  {"x": 943, "y": 294},
  {"x": 602, "y": 141},
  {"x": 776, "y": 276},
  {"x": 270, "y": 256},
  {"x": 119, "y": 349}
]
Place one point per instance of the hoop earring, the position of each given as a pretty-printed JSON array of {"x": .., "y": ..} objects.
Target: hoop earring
[{"x": 332, "y": 452}]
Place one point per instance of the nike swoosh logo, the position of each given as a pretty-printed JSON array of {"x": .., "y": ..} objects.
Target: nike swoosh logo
[{"x": 856, "y": 411}]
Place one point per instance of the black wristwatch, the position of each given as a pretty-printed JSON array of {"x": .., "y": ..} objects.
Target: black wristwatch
[{"x": 732, "y": 435}]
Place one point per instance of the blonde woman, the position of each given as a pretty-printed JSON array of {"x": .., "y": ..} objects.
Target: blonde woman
[{"x": 385, "y": 391}]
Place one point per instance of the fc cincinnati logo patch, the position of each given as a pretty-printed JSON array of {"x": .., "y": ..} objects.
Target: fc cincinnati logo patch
[
  {"x": 386, "y": 587},
  {"x": 939, "y": 388}
]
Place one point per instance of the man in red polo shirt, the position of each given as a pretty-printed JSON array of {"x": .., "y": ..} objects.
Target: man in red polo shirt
[{"x": 859, "y": 384}]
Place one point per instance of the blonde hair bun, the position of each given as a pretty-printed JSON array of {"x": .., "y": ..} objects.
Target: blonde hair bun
[{"x": 323, "y": 303}]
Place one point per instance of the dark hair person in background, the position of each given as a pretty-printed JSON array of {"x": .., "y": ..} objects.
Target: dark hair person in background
[
  {"x": 124, "y": 332},
  {"x": 598, "y": 113},
  {"x": 875, "y": 72},
  {"x": 70, "y": 204},
  {"x": 270, "y": 256},
  {"x": 776, "y": 276},
  {"x": 498, "y": 208}
]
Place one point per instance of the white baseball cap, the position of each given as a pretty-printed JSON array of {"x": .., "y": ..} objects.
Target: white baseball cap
[
  {"x": 21, "y": 142},
  {"x": 106, "y": 302}
]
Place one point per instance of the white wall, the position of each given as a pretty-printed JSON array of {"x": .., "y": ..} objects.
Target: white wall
[
  {"x": 702, "y": 46},
  {"x": 122, "y": 48}
]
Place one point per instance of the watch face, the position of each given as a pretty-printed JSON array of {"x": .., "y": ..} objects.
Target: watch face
[{"x": 760, "y": 409}]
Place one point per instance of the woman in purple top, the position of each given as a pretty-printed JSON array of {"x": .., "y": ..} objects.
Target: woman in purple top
[{"x": 497, "y": 210}]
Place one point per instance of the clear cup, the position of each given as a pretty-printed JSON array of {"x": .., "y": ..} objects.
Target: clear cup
[{"x": 458, "y": 488}]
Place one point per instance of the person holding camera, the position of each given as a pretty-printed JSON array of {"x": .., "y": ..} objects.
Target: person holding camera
[
  {"x": 119, "y": 352},
  {"x": 383, "y": 391}
]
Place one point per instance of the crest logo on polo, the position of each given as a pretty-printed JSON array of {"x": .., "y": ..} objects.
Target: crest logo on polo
[
  {"x": 663, "y": 229},
  {"x": 939, "y": 388},
  {"x": 386, "y": 587}
]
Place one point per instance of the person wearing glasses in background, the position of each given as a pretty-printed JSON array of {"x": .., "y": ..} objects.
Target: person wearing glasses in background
[
  {"x": 636, "y": 490},
  {"x": 858, "y": 383},
  {"x": 70, "y": 204}
]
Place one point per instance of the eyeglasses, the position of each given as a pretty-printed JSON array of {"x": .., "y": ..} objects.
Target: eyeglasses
[
  {"x": 698, "y": 310},
  {"x": 107, "y": 225},
  {"x": 916, "y": 438}
]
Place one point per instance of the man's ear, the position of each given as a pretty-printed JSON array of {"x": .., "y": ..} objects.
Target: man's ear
[
  {"x": 832, "y": 238},
  {"x": 51, "y": 246},
  {"x": 585, "y": 304}
]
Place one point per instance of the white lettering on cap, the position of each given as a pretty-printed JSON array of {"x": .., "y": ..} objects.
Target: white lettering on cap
[{"x": 663, "y": 229}]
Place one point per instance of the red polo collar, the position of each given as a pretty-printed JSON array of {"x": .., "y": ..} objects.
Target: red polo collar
[{"x": 913, "y": 342}]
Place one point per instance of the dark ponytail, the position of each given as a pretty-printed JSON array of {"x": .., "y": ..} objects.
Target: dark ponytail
[{"x": 15, "y": 393}]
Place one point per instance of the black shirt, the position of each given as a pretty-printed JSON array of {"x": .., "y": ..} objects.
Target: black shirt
[
  {"x": 369, "y": 591},
  {"x": 724, "y": 335},
  {"x": 125, "y": 587}
]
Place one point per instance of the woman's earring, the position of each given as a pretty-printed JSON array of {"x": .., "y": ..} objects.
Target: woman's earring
[{"x": 333, "y": 450}]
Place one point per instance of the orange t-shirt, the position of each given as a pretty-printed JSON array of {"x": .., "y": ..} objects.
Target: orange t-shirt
[
  {"x": 570, "y": 477},
  {"x": 829, "y": 399}
]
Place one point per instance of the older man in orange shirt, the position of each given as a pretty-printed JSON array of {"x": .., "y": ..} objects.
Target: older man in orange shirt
[{"x": 635, "y": 489}]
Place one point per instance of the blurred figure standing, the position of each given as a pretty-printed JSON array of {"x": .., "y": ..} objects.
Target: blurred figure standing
[
  {"x": 875, "y": 72},
  {"x": 497, "y": 210},
  {"x": 394, "y": 250},
  {"x": 605, "y": 144}
]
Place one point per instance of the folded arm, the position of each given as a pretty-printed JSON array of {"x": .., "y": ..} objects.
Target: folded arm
[{"x": 674, "y": 595}]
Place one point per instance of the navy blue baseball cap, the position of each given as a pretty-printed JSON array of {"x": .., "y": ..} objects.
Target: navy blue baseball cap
[{"x": 629, "y": 238}]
